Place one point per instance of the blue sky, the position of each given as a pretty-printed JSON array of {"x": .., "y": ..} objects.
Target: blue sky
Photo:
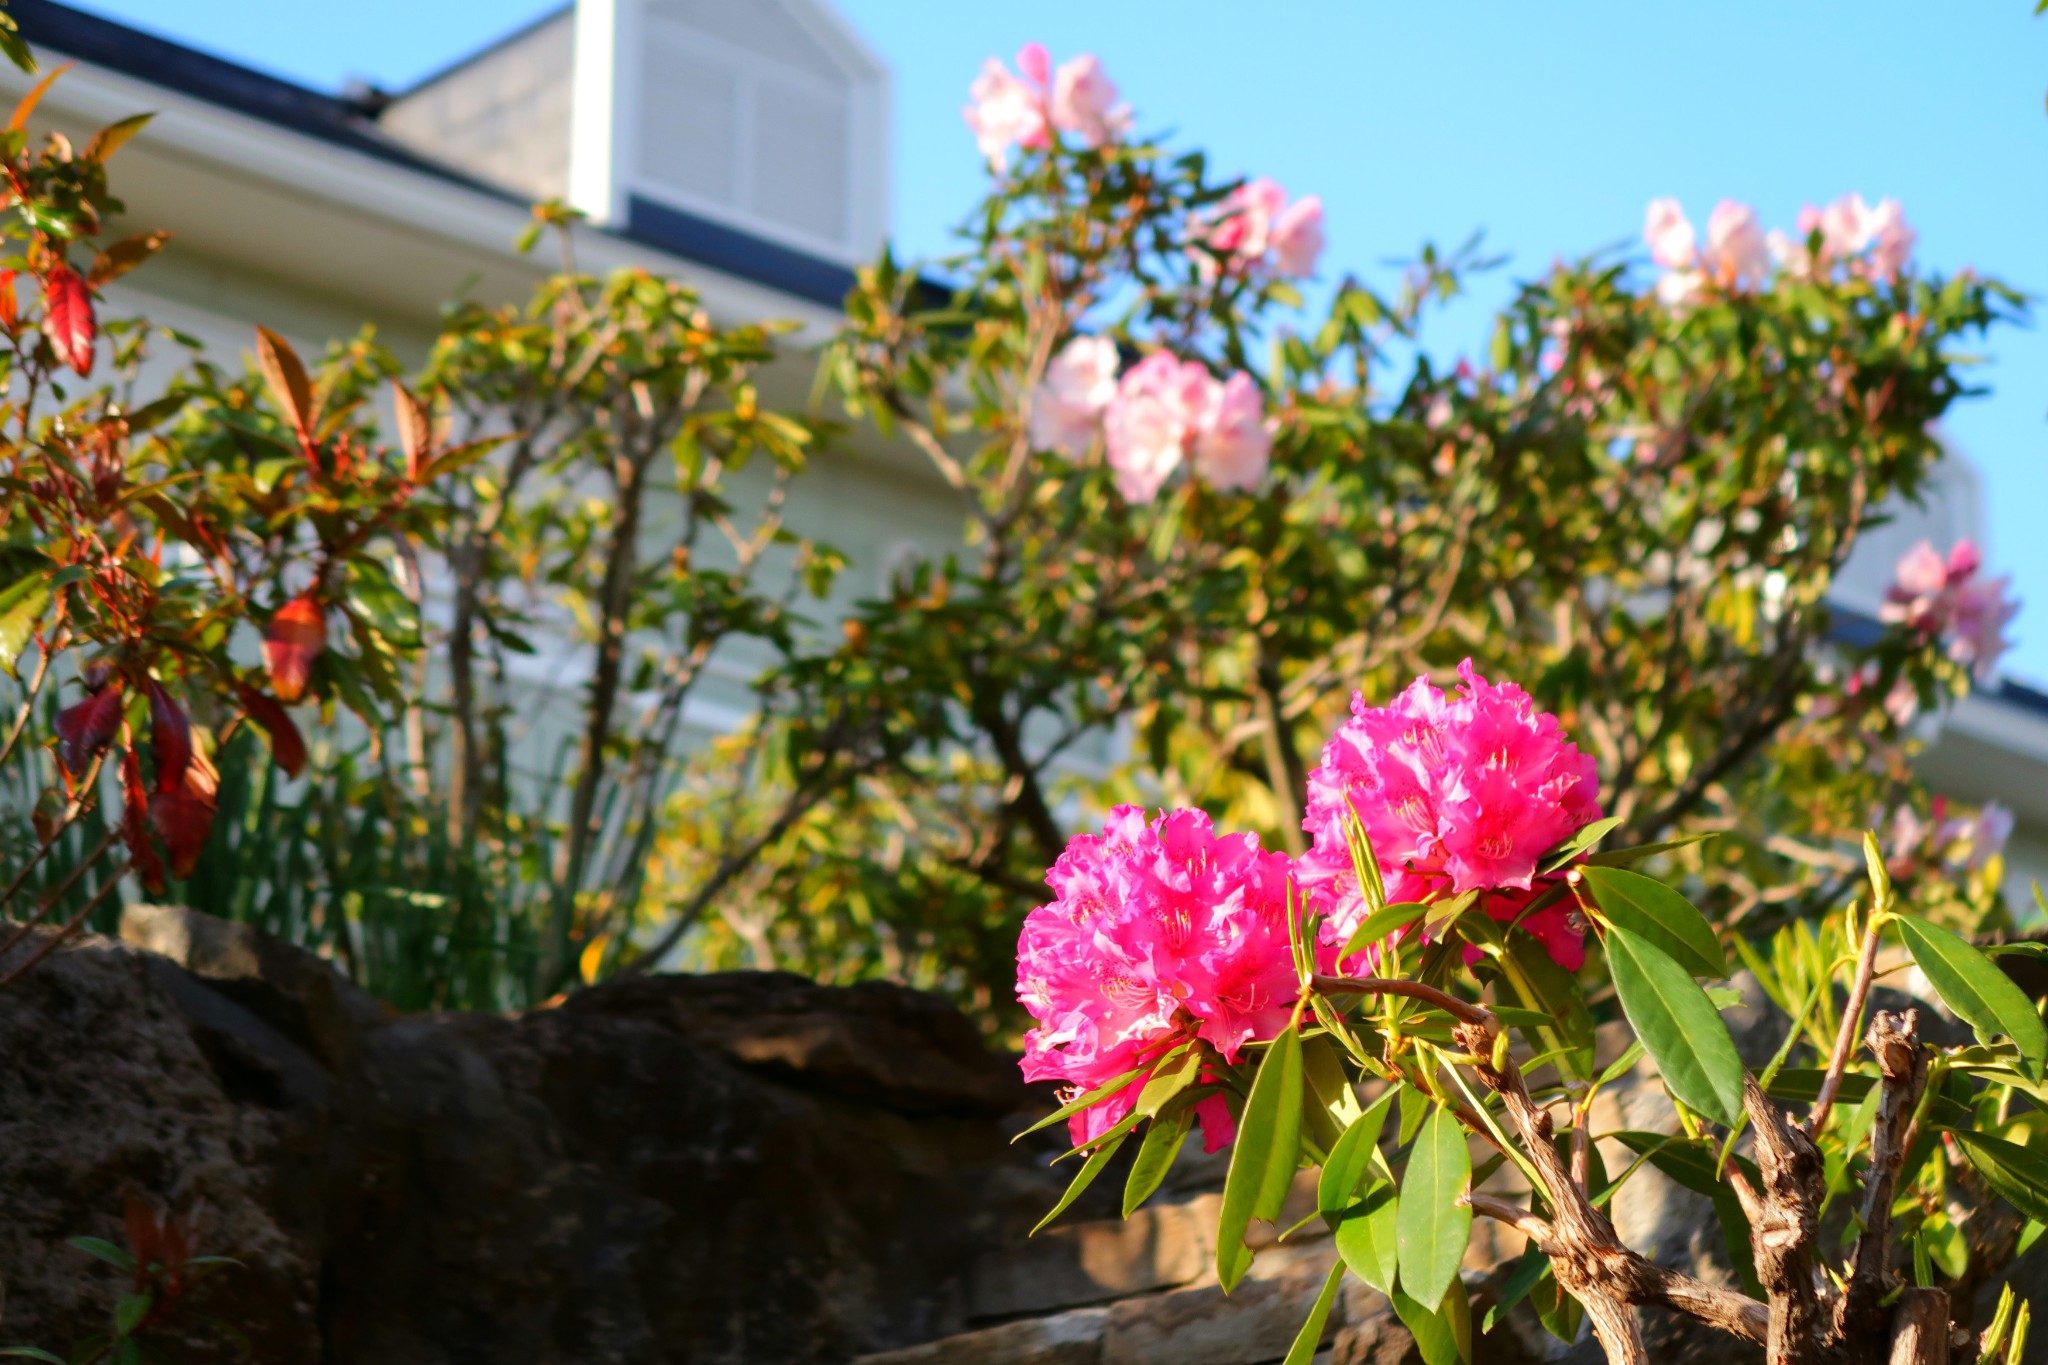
[{"x": 1548, "y": 126}]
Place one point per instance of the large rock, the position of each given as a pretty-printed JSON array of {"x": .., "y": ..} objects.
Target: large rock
[{"x": 745, "y": 1167}]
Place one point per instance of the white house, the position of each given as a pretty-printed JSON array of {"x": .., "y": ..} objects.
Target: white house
[{"x": 743, "y": 147}]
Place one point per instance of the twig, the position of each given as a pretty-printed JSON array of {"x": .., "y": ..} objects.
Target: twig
[
  {"x": 1475, "y": 1015},
  {"x": 1845, "y": 1036},
  {"x": 62, "y": 889},
  {"x": 1894, "y": 1039},
  {"x": 71, "y": 926}
]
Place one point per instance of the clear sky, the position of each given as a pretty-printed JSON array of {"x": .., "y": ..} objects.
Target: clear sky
[{"x": 1548, "y": 126}]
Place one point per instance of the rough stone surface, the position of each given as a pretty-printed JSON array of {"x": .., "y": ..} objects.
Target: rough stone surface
[{"x": 746, "y": 1167}]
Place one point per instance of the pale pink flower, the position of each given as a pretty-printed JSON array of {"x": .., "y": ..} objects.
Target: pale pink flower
[
  {"x": 1007, "y": 110},
  {"x": 1160, "y": 932},
  {"x": 1067, "y": 405},
  {"x": 1167, "y": 410},
  {"x": 1890, "y": 240},
  {"x": 1084, "y": 103},
  {"x": 1988, "y": 834},
  {"x": 1669, "y": 234},
  {"x": 1150, "y": 421},
  {"x": 1680, "y": 289},
  {"x": 1256, "y": 226},
  {"x": 1736, "y": 255},
  {"x": 1946, "y": 598},
  {"x": 1233, "y": 442},
  {"x": 1456, "y": 794},
  {"x": 1791, "y": 254},
  {"x": 1297, "y": 238}
]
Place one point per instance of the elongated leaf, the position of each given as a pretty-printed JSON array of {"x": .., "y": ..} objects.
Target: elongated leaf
[
  {"x": 1528, "y": 1270},
  {"x": 287, "y": 379},
  {"x": 1578, "y": 843},
  {"x": 1176, "y": 1072},
  {"x": 1678, "y": 1026},
  {"x": 1329, "y": 1103},
  {"x": 1155, "y": 1157},
  {"x": 1981, "y": 994},
  {"x": 1350, "y": 1159},
  {"x": 1649, "y": 909},
  {"x": 1085, "y": 1177},
  {"x": 1368, "y": 1236},
  {"x": 100, "y": 1247},
  {"x": 2017, "y": 1173},
  {"x": 1629, "y": 857},
  {"x": 1443, "y": 1335},
  {"x": 22, "y": 604},
  {"x": 1379, "y": 924},
  {"x": 1263, "y": 1159},
  {"x": 1311, "y": 1334},
  {"x": 1080, "y": 1102},
  {"x": 1435, "y": 1222}
]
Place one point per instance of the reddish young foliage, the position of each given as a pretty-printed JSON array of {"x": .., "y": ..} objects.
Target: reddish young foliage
[
  {"x": 170, "y": 734},
  {"x": 183, "y": 813},
  {"x": 135, "y": 824},
  {"x": 287, "y": 746},
  {"x": 297, "y": 635},
  {"x": 87, "y": 727},
  {"x": 68, "y": 318}
]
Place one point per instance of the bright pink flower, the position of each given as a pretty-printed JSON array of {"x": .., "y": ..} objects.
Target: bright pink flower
[
  {"x": 1669, "y": 235},
  {"x": 1167, "y": 410},
  {"x": 1946, "y": 598},
  {"x": 1456, "y": 794},
  {"x": 1736, "y": 255},
  {"x": 1008, "y": 111},
  {"x": 1160, "y": 932},
  {"x": 1297, "y": 239},
  {"x": 1066, "y": 407},
  {"x": 1233, "y": 444},
  {"x": 1034, "y": 63},
  {"x": 1084, "y": 103}
]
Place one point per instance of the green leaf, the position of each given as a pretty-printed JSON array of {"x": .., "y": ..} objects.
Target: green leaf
[
  {"x": 1368, "y": 1237},
  {"x": 1629, "y": 857},
  {"x": 1443, "y": 1335},
  {"x": 31, "y": 1353},
  {"x": 117, "y": 1257},
  {"x": 1379, "y": 924},
  {"x": 1092, "y": 1167},
  {"x": 2018, "y": 1173},
  {"x": 1435, "y": 1223},
  {"x": 1350, "y": 1159},
  {"x": 1541, "y": 985},
  {"x": 1532, "y": 1266},
  {"x": 1169, "y": 1080},
  {"x": 22, "y": 604},
  {"x": 1578, "y": 843},
  {"x": 1678, "y": 1026},
  {"x": 1155, "y": 1157},
  {"x": 1974, "y": 987},
  {"x": 1646, "y": 907},
  {"x": 1080, "y": 1102},
  {"x": 1263, "y": 1159},
  {"x": 1311, "y": 1334},
  {"x": 130, "y": 1311}
]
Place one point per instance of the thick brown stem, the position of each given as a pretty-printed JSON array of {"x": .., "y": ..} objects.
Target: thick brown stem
[
  {"x": 1414, "y": 990},
  {"x": 1920, "y": 1328},
  {"x": 1902, "y": 1063},
  {"x": 1783, "y": 1228}
]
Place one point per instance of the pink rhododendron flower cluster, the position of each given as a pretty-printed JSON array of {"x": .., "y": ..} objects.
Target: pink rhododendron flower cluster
[
  {"x": 1456, "y": 794},
  {"x": 1735, "y": 255},
  {"x": 1025, "y": 107},
  {"x": 1166, "y": 411},
  {"x": 1256, "y": 226},
  {"x": 1872, "y": 240},
  {"x": 1067, "y": 405},
  {"x": 1160, "y": 931},
  {"x": 1946, "y": 598},
  {"x": 1967, "y": 841}
]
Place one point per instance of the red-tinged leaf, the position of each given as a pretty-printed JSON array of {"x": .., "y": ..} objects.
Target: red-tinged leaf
[
  {"x": 88, "y": 727},
  {"x": 287, "y": 380},
  {"x": 145, "y": 1232},
  {"x": 170, "y": 736},
  {"x": 10, "y": 302},
  {"x": 296, "y": 637},
  {"x": 124, "y": 255},
  {"x": 114, "y": 137},
  {"x": 415, "y": 430},
  {"x": 135, "y": 824},
  {"x": 34, "y": 97},
  {"x": 287, "y": 746},
  {"x": 183, "y": 815},
  {"x": 68, "y": 318}
]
